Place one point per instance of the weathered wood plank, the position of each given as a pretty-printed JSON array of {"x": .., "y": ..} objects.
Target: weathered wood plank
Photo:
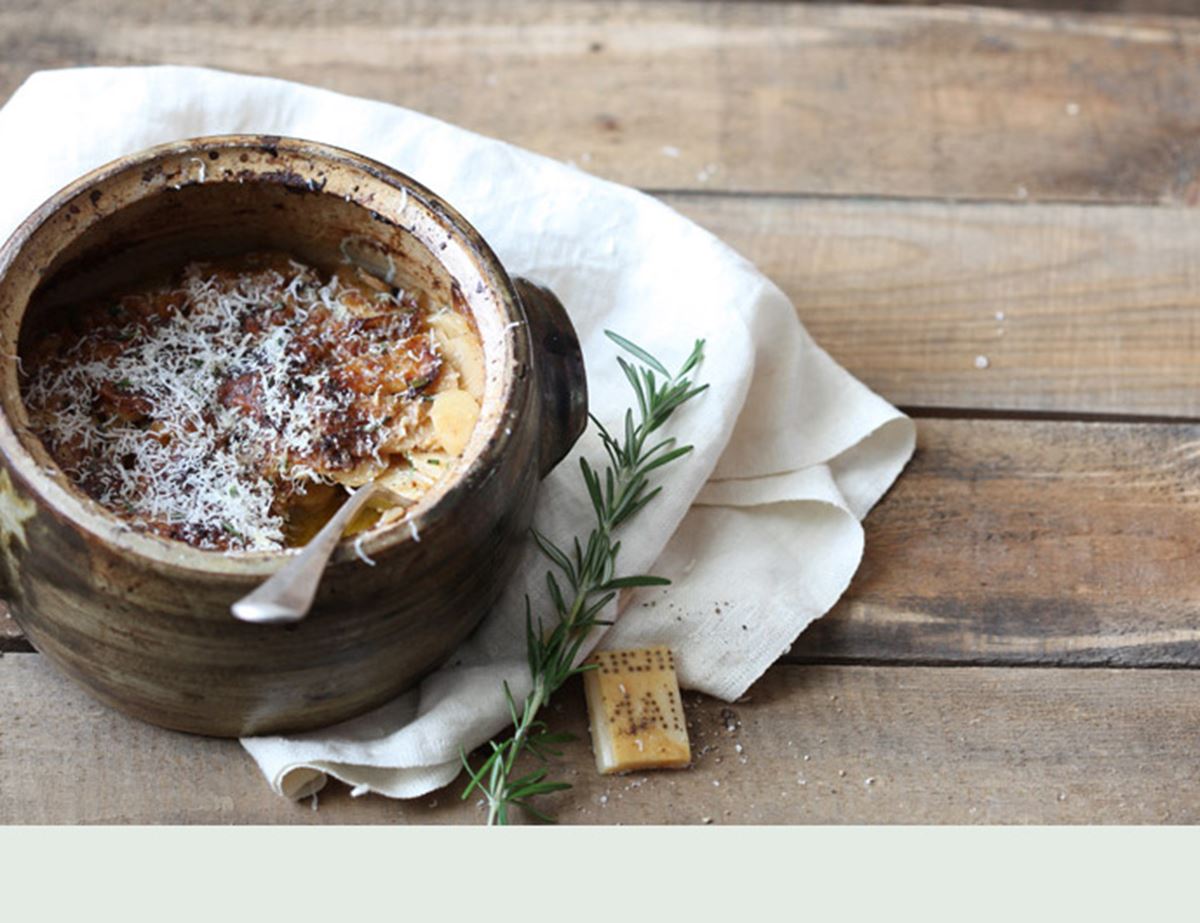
[
  {"x": 1074, "y": 309},
  {"x": 812, "y": 745},
  {"x": 1027, "y": 542},
  {"x": 894, "y": 101}
]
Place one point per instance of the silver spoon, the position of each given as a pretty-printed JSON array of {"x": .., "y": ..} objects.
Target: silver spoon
[{"x": 287, "y": 595}]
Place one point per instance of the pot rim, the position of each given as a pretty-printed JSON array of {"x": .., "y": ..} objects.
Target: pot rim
[{"x": 70, "y": 503}]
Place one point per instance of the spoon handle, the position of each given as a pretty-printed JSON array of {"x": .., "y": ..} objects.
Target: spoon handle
[{"x": 288, "y": 594}]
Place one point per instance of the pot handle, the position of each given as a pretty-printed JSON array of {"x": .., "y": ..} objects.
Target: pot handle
[{"x": 561, "y": 380}]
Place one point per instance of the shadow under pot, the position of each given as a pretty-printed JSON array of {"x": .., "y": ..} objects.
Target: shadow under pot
[{"x": 143, "y": 621}]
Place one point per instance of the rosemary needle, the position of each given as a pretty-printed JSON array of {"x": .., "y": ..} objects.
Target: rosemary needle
[{"x": 582, "y": 579}]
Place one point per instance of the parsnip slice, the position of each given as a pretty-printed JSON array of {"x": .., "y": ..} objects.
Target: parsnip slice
[
  {"x": 449, "y": 324},
  {"x": 461, "y": 347},
  {"x": 454, "y": 414},
  {"x": 411, "y": 481}
]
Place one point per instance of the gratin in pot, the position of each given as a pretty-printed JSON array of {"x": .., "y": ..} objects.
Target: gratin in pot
[{"x": 143, "y": 622}]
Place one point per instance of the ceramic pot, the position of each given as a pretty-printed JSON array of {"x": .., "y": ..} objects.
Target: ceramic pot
[{"x": 144, "y": 622}]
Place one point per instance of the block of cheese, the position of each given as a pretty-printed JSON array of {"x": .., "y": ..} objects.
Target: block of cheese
[{"x": 636, "y": 711}]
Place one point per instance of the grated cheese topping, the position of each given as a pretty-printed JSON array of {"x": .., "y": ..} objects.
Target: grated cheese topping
[{"x": 217, "y": 407}]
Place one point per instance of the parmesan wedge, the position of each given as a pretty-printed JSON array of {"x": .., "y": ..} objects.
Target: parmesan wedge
[{"x": 636, "y": 711}]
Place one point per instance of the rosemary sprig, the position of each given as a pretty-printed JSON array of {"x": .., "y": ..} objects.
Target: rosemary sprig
[{"x": 582, "y": 579}]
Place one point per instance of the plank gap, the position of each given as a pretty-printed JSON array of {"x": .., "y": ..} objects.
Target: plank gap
[
  {"x": 1044, "y": 416},
  {"x": 985, "y": 663},
  {"x": 884, "y": 198}
]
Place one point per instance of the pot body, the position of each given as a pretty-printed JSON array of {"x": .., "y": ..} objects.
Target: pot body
[{"x": 144, "y": 623}]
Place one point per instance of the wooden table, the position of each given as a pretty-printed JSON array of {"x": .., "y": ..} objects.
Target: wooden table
[{"x": 985, "y": 215}]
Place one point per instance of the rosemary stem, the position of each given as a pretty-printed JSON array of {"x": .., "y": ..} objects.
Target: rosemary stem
[
  {"x": 618, "y": 491},
  {"x": 497, "y": 793}
]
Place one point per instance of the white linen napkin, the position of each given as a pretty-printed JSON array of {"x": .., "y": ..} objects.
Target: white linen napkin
[{"x": 758, "y": 528}]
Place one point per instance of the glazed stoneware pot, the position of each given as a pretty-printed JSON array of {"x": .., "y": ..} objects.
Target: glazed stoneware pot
[{"x": 143, "y": 622}]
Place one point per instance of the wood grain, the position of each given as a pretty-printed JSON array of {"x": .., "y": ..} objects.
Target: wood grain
[
  {"x": 1074, "y": 309},
  {"x": 1029, "y": 542},
  {"x": 817, "y": 745},
  {"x": 765, "y": 97}
]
